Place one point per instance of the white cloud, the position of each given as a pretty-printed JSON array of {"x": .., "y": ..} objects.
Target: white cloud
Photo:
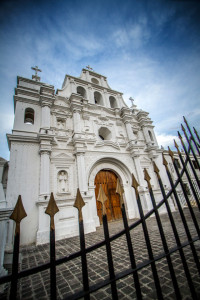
[{"x": 166, "y": 140}]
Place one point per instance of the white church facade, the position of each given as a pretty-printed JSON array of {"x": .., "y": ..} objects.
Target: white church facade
[{"x": 81, "y": 136}]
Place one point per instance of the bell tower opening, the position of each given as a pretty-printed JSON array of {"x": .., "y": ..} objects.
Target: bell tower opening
[{"x": 108, "y": 180}]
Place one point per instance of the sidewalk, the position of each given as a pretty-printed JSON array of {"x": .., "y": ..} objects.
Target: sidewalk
[{"x": 69, "y": 276}]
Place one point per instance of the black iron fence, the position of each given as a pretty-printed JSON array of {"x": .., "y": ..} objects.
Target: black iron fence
[{"x": 189, "y": 159}]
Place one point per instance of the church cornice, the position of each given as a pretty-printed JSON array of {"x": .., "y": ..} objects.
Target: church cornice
[
  {"x": 19, "y": 91},
  {"x": 21, "y": 138},
  {"x": 25, "y": 99},
  {"x": 36, "y": 83}
]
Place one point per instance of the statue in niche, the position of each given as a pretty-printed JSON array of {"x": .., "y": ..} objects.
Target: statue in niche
[
  {"x": 60, "y": 124},
  {"x": 62, "y": 181}
]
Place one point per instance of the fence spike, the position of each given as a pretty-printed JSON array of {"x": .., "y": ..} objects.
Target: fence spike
[
  {"x": 182, "y": 127},
  {"x": 135, "y": 185},
  {"x": 18, "y": 213},
  {"x": 171, "y": 153},
  {"x": 79, "y": 203},
  {"x": 180, "y": 136},
  {"x": 156, "y": 170},
  {"x": 185, "y": 120},
  {"x": 51, "y": 210},
  {"x": 120, "y": 191},
  {"x": 102, "y": 198},
  {"x": 147, "y": 178},
  {"x": 165, "y": 163},
  {"x": 177, "y": 147}
]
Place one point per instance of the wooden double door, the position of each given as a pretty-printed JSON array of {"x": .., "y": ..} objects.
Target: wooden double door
[{"x": 108, "y": 180}]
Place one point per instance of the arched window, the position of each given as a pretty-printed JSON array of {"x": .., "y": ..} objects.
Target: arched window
[
  {"x": 105, "y": 133},
  {"x": 94, "y": 80},
  {"x": 150, "y": 135},
  {"x": 29, "y": 116},
  {"x": 113, "y": 102},
  {"x": 98, "y": 98},
  {"x": 81, "y": 91}
]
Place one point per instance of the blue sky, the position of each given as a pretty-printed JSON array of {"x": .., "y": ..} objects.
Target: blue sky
[{"x": 148, "y": 49}]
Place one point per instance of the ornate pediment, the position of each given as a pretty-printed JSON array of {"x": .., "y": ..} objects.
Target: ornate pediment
[{"x": 62, "y": 157}]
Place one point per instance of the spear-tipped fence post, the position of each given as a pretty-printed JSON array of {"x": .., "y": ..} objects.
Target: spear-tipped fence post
[
  {"x": 191, "y": 212},
  {"x": 51, "y": 210},
  {"x": 102, "y": 198},
  {"x": 187, "y": 174},
  {"x": 188, "y": 157},
  {"x": 178, "y": 242},
  {"x": 193, "y": 139},
  {"x": 190, "y": 144},
  {"x": 120, "y": 191},
  {"x": 79, "y": 203},
  {"x": 197, "y": 135},
  {"x": 135, "y": 185},
  {"x": 162, "y": 235},
  {"x": 17, "y": 215},
  {"x": 165, "y": 163}
]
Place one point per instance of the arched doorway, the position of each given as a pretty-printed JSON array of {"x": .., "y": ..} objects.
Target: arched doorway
[{"x": 108, "y": 180}]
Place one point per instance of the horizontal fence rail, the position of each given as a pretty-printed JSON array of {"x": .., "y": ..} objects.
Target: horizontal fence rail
[{"x": 190, "y": 154}]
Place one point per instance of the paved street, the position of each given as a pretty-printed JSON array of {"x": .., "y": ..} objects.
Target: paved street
[{"x": 69, "y": 274}]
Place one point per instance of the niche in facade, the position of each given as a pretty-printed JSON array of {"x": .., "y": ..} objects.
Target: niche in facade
[
  {"x": 29, "y": 116},
  {"x": 98, "y": 99},
  {"x": 113, "y": 102},
  {"x": 105, "y": 133},
  {"x": 150, "y": 135},
  {"x": 62, "y": 182},
  {"x": 81, "y": 91},
  {"x": 60, "y": 124},
  {"x": 94, "y": 80}
]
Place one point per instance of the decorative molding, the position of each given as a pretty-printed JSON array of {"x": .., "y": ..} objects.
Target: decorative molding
[{"x": 107, "y": 143}]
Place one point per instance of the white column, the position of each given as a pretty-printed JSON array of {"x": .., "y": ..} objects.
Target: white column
[
  {"x": 46, "y": 120},
  {"x": 73, "y": 86},
  {"x": 44, "y": 172},
  {"x": 145, "y": 199},
  {"x": 77, "y": 121},
  {"x": 81, "y": 171},
  {"x": 90, "y": 94},
  {"x": 129, "y": 131},
  {"x": 106, "y": 99},
  {"x": 4, "y": 220},
  {"x": 2, "y": 195},
  {"x": 140, "y": 175}
]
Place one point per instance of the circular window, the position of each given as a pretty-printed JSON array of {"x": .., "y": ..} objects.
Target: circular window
[{"x": 94, "y": 80}]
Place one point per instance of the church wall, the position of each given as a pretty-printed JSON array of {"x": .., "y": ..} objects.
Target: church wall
[
  {"x": 23, "y": 179},
  {"x": 19, "y": 124}
]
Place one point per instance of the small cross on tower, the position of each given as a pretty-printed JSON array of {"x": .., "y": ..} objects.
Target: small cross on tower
[
  {"x": 132, "y": 100},
  {"x": 89, "y": 68},
  {"x": 36, "y": 77}
]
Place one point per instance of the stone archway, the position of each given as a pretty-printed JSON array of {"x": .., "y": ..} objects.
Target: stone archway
[{"x": 108, "y": 180}]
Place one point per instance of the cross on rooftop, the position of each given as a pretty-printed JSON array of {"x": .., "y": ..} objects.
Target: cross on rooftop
[
  {"x": 89, "y": 68},
  {"x": 36, "y": 77},
  {"x": 132, "y": 100}
]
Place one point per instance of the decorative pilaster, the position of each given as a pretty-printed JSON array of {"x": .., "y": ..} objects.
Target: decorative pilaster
[
  {"x": 44, "y": 172},
  {"x": 126, "y": 117},
  {"x": 142, "y": 188},
  {"x": 82, "y": 183},
  {"x": 45, "y": 151},
  {"x": 2, "y": 194},
  {"x": 46, "y": 100}
]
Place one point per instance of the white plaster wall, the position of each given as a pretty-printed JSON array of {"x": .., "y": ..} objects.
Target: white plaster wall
[
  {"x": 19, "y": 117},
  {"x": 23, "y": 179}
]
